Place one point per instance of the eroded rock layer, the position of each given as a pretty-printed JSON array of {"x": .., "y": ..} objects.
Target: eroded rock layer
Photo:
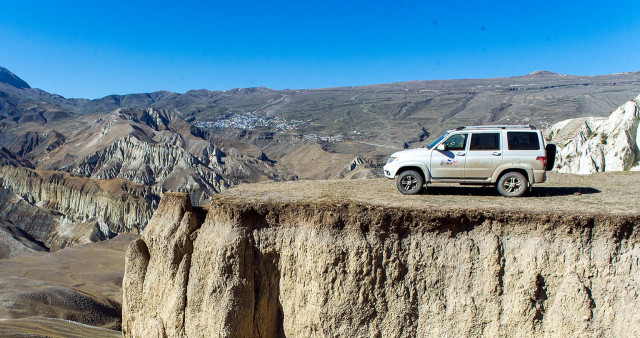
[
  {"x": 301, "y": 269},
  {"x": 79, "y": 210}
]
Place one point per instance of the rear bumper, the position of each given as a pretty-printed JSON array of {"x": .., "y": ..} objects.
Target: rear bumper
[{"x": 539, "y": 176}]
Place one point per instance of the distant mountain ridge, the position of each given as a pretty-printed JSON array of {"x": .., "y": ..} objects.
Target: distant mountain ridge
[
  {"x": 541, "y": 73},
  {"x": 372, "y": 118},
  {"x": 366, "y": 122},
  {"x": 206, "y": 103},
  {"x": 8, "y": 77}
]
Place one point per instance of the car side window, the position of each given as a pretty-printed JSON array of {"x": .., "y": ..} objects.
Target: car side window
[
  {"x": 456, "y": 142},
  {"x": 523, "y": 140},
  {"x": 485, "y": 141}
]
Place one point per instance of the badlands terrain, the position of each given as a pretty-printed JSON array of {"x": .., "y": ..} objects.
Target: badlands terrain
[{"x": 80, "y": 179}]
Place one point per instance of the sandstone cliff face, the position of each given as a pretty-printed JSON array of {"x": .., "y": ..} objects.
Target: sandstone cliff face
[
  {"x": 163, "y": 164},
  {"x": 25, "y": 227},
  {"x": 299, "y": 270},
  {"x": 589, "y": 145},
  {"x": 113, "y": 206}
]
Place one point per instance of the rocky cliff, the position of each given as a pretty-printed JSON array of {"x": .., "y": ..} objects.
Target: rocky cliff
[
  {"x": 55, "y": 209},
  {"x": 597, "y": 144},
  {"x": 253, "y": 264}
]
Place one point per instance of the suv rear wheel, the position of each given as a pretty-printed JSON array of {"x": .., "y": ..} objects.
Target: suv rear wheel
[
  {"x": 512, "y": 184},
  {"x": 409, "y": 182}
]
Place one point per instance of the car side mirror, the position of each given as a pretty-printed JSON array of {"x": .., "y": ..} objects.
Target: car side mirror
[{"x": 442, "y": 147}]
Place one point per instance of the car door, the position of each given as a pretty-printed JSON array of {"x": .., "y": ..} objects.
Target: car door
[
  {"x": 484, "y": 155},
  {"x": 450, "y": 162}
]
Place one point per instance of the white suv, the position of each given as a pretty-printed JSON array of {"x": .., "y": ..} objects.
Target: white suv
[{"x": 510, "y": 157}]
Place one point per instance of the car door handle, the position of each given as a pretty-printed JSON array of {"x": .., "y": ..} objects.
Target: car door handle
[
  {"x": 496, "y": 153},
  {"x": 460, "y": 154}
]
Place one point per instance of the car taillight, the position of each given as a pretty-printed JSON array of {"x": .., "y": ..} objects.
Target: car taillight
[{"x": 543, "y": 160}]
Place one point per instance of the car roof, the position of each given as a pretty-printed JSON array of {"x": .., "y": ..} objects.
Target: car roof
[{"x": 496, "y": 127}]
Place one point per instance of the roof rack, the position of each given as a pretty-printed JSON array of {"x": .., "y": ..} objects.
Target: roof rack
[{"x": 503, "y": 126}]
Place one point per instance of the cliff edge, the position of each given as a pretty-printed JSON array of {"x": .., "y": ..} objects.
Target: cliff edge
[{"x": 261, "y": 262}]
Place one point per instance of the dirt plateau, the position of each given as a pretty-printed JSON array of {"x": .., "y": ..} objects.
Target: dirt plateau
[{"x": 293, "y": 269}]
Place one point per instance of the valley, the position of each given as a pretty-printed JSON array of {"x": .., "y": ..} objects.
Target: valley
[{"x": 80, "y": 179}]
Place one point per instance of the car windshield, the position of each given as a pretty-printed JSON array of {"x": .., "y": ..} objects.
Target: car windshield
[{"x": 433, "y": 144}]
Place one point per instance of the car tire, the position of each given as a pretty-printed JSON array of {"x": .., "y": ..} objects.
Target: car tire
[
  {"x": 512, "y": 184},
  {"x": 409, "y": 182}
]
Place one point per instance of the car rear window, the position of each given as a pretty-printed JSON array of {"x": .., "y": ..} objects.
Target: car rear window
[
  {"x": 523, "y": 140},
  {"x": 485, "y": 141}
]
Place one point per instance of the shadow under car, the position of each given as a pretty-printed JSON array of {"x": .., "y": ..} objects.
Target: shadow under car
[{"x": 537, "y": 191}]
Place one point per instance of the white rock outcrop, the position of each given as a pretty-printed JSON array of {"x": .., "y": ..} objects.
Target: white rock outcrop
[{"x": 589, "y": 145}]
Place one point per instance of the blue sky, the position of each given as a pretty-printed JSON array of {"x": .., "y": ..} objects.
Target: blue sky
[{"x": 91, "y": 48}]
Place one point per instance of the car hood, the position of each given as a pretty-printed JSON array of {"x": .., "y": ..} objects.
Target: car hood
[{"x": 409, "y": 153}]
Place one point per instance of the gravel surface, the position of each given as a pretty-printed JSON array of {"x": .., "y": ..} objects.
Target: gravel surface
[{"x": 609, "y": 193}]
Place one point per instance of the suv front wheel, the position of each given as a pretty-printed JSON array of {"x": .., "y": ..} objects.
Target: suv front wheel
[
  {"x": 409, "y": 182},
  {"x": 512, "y": 184}
]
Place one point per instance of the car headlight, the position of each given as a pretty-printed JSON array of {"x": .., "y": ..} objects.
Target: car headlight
[{"x": 391, "y": 159}]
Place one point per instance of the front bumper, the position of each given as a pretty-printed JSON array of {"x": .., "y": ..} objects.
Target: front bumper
[{"x": 390, "y": 170}]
